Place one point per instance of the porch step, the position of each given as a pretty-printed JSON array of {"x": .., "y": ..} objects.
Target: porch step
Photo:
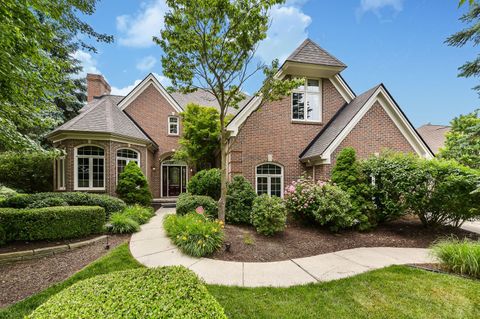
[{"x": 164, "y": 202}]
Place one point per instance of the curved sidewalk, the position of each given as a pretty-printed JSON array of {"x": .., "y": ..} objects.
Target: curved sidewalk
[{"x": 153, "y": 248}]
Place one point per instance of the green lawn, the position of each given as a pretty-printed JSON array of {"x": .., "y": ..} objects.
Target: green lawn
[{"x": 394, "y": 292}]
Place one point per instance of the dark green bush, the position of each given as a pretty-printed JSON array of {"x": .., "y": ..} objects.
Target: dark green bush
[
  {"x": 51, "y": 222},
  {"x": 109, "y": 203},
  {"x": 188, "y": 203},
  {"x": 240, "y": 196},
  {"x": 132, "y": 186},
  {"x": 3, "y": 236},
  {"x": 123, "y": 224},
  {"x": 48, "y": 202},
  {"x": 29, "y": 172},
  {"x": 166, "y": 292},
  {"x": 194, "y": 234},
  {"x": 269, "y": 215},
  {"x": 206, "y": 183},
  {"x": 461, "y": 257}
]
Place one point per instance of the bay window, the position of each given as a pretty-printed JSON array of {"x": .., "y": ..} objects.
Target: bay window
[{"x": 90, "y": 168}]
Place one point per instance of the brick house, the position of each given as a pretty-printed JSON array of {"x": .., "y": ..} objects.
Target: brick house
[{"x": 271, "y": 143}]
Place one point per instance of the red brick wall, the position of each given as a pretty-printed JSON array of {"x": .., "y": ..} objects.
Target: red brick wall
[
  {"x": 270, "y": 130},
  {"x": 374, "y": 133}
]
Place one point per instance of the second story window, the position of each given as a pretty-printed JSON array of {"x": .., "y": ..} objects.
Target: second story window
[
  {"x": 173, "y": 125},
  {"x": 307, "y": 102}
]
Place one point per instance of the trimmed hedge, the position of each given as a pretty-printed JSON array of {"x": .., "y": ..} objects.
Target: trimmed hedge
[
  {"x": 206, "y": 183},
  {"x": 166, "y": 292},
  {"x": 187, "y": 203},
  {"x": 133, "y": 187},
  {"x": 240, "y": 197},
  {"x": 109, "y": 203},
  {"x": 51, "y": 223}
]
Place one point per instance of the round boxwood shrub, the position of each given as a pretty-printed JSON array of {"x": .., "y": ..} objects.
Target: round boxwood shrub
[
  {"x": 166, "y": 292},
  {"x": 188, "y": 203},
  {"x": 206, "y": 183},
  {"x": 269, "y": 215},
  {"x": 240, "y": 196},
  {"x": 132, "y": 186}
]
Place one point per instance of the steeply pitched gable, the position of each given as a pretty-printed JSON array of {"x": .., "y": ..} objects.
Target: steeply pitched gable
[{"x": 312, "y": 53}]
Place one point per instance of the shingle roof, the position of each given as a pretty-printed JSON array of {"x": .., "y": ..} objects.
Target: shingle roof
[
  {"x": 203, "y": 98},
  {"x": 336, "y": 125},
  {"x": 310, "y": 52},
  {"x": 103, "y": 116},
  {"x": 433, "y": 135}
]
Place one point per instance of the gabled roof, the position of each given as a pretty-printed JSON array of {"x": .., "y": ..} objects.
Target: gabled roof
[
  {"x": 333, "y": 128},
  {"x": 103, "y": 116},
  {"x": 434, "y": 135},
  {"x": 312, "y": 53}
]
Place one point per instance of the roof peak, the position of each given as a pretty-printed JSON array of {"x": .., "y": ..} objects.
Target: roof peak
[{"x": 310, "y": 52}]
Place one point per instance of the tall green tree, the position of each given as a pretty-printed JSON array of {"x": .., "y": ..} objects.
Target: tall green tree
[
  {"x": 463, "y": 141},
  {"x": 200, "y": 135},
  {"x": 210, "y": 45},
  {"x": 34, "y": 68}
]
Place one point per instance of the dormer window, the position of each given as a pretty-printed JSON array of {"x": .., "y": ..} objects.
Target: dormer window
[
  {"x": 307, "y": 101},
  {"x": 173, "y": 125}
]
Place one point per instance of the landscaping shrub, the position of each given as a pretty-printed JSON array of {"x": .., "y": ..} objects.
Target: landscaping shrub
[
  {"x": 194, "y": 233},
  {"x": 348, "y": 175},
  {"x": 166, "y": 292},
  {"x": 6, "y": 192},
  {"x": 240, "y": 196},
  {"x": 30, "y": 171},
  {"x": 206, "y": 183},
  {"x": 48, "y": 202},
  {"x": 188, "y": 203},
  {"x": 3, "y": 236},
  {"x": 51, "y": 223},
  {"x": 462, "y": 257},
  {"x": 123, "y": 224},
  {"x": 109, "y": 203},
  {"x": 269, "y": 215},
  {"x": 139, "y": 213},
  {"x": 132, "y": 186}
]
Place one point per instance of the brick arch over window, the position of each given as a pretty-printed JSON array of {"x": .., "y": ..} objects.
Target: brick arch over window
[{"x": 269, "y": 179}]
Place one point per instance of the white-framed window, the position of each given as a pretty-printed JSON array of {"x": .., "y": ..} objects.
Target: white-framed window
[
  {"x": 89, "y": 168},
  {"x": 269, "y": 179},
  {"x": 173, "y": 125},
  {"x": 60, "y": 170},
  {"x": 125, "y": 156},
  {"x": 307, "y": 101}
]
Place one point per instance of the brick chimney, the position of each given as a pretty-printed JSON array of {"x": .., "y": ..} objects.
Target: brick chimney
[{"x": 96, "y": 86}]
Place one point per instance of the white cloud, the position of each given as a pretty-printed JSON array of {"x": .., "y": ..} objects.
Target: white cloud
[
  {"x": 87, "y": 61},
  {"x": 125, "y": 90},
  {"x": 137, "y": 30},
  {"x": 377, "y": 6},
  {"x": 146, "y": 63},
  {"x": 287, "y": 30}
]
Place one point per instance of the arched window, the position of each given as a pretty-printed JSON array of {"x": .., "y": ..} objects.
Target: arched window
[
  {"x": 89, "y": 168},
  {"x": 269, "y": 179},
  {"x": 125, "y": 156}
]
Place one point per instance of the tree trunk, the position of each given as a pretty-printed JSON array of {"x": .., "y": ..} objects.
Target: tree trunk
[{"x": 223, "y": 170}]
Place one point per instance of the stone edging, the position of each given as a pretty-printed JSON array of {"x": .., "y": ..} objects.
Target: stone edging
[{"x": 46, "y": 251}]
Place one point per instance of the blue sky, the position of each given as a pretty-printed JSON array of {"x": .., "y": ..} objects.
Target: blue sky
[{"x": 397, "y": 42}]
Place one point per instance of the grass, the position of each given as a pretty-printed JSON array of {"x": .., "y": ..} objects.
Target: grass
[
  {"x": 459, "y": 256},
  {"x": 393, "y": 292},
  {"x": 119, "y": 259}
]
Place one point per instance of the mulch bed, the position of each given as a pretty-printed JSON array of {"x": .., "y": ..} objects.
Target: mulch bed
[
  {"x": 29, "y": 245},
  {"x": 303, "y": 240},
  {"x": 21, "y": 279}
]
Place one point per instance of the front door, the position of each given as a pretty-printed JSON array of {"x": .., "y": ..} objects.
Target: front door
[{"x": 174, "y": 180}]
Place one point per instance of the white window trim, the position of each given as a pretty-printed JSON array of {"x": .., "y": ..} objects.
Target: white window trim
[
  {"x": 178, "y": 125},
  {"x": 90, "y": 165},
  {"x": 269, "y": 179},
  {"x": 62, "y": 176},
  {"x": 128, "y": 159},
  {"x": 305, "y": 92}
]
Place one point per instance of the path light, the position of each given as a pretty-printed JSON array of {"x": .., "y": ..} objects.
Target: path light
[
  {"x": 108, "y": 227},
  {"x": 227, "y": 247}
]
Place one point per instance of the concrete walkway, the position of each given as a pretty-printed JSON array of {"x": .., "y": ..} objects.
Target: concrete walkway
[{"x": 153, "y": 248}]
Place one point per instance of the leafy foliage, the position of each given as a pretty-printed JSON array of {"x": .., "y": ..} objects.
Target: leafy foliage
[
  {"x": 269, "y": 215},
  {"x": 194, "y": 233},
  {"x": 48, "y": 202},
  {"x": 206, "y": 183},
  {"x": 29, "y": 172},
  {"x": 35, "y": 63},
  {"x": 133, "y": 187},
  {"x": 348, "y": 175},
  {"x": 240, "y": 197},
  {"x": 461, "y": 257},
  {"x": 123, "y": 224},
  {"x": 188, "y": 203},
  {"x": 463, "y": 141},
  {"x": 200, "y": 135},
  {"x": 51, "y": 223},
  {"x": 166, "y": 292},
  {"x": 139, "y": 213}
]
